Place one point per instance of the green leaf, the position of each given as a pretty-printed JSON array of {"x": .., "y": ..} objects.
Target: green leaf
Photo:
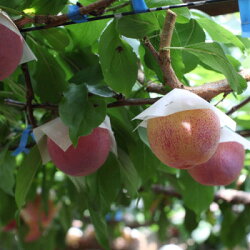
[
  {"x": 243, "y": 123},
  {"x": 93, "y": 78},
  {"x": 48, "y": 78},
  {"x": 101, "y": 229},
  {"x": 100, "y": 90},
  {"x": 47, "y": 6},
  {"x": 91, "y": 75},
  {"x": 143, "y": 135},
  {"x": 144, "y": 160},
  {"x": 151, "y": 63},
  {"x": 190, "y": 33},
  {"x": 219, "y": 33},
  {"x": 195, "y": 196},
  {"x": 190, "y": 221},
  {"x": 25, "y": 175},
  {"x": 7, "y": 208},
  {"x": 118, "y": 61},
  {"x": 229, "y": 236},
  {"x": 7, "y": 166},
  {"x": 226, "y": 226},
  {"x": 213, "y": 56},
  {"x": 80, "y": 113},
  {"x": 17, "y": 89},
  {"x": 102, "y": 187},
  {"x": 56, "y": 37},
  {"x": 87, "y": 33},
  {"x": 186, "y": 34},
  {"x": 79, "y": 183},
  {"x": 129, "y": 175},
  {"x": 110, "y": 184},
  {"x": 137, "y": 26}
]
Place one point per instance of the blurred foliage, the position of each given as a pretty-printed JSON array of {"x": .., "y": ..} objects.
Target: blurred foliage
[{"x": 99, "y": 58}]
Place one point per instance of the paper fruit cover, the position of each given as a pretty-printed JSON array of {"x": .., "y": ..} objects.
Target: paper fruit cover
[{"x": 59, "y": 133}]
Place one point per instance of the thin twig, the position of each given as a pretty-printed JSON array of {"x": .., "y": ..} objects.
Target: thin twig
[
  {"x": 118, "y": 6},
  {"x": 222, "y": 99},
  {"x": 238, "y": 106},
  {"x": 152, "y": 49},
  {"x": 29, "y": 95}
]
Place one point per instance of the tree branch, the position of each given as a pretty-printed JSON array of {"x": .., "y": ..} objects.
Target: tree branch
[
  {"x": 228, "y": 195},
  {"x": 118, "y": 103},
  {"x": 29, "y": 95},
  {"x": 238, "y": 106},
  {"x": 133, "y": 102},
  {"x": 52, "y": 20},
  {"x": 218, "y": 8},
  {"x": 152, "y": 49},
  {"x": 206, "y": 91},
  {"x": 22, "y": 105},
  {"x": 209, "y": 90}
]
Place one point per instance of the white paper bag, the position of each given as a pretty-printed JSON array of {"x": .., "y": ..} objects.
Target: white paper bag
[{"x": 59, "y": 133}]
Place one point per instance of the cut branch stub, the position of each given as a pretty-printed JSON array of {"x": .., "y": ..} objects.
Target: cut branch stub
[{"x": 169, "y": 75}]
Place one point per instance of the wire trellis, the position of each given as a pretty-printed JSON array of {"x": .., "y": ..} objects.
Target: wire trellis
[{"x": 128, "y": 13}]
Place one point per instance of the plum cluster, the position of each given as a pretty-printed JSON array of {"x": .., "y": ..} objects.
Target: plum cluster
[
  {"x": 187, "y": 139},
  {"x": 190, "y": 140}
]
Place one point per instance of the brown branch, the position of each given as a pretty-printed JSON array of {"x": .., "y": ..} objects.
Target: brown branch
[
  {"x": 52, "y": 20},
  {"x": 29, "y": 95},
  {"x": 228, "y": 195},
  {"x": 169, "y": 75},
  {"x": 133, "y": 102},
  {"x": 23, "y": 105},
  {"x": 209, "y": 90},
  {"x": 233, "y": 196},
  {"x": 157, "y": 88},
  {"x": 206, "y": 91},
  {"x": 152, "y": 49},
  {"x": 217, "y": 8},
  {"x": 238, "y": 106},
  {"x": 118, "y": 103}
]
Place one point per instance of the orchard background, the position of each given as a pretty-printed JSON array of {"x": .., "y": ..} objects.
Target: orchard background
[{"x": 116, "y": 67}]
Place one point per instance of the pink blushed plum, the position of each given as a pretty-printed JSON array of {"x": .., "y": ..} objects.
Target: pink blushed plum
[{"x": 90, "y": 153}]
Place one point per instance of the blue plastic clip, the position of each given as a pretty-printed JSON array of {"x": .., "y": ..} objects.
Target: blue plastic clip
[
  {"x": 74, "y": 14},
  {"x": 139, "y": 6},
  {"x": 23, "y": 142},
  {"x": 118, "y": 215},
  {"x": 244, "y": 6}
]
